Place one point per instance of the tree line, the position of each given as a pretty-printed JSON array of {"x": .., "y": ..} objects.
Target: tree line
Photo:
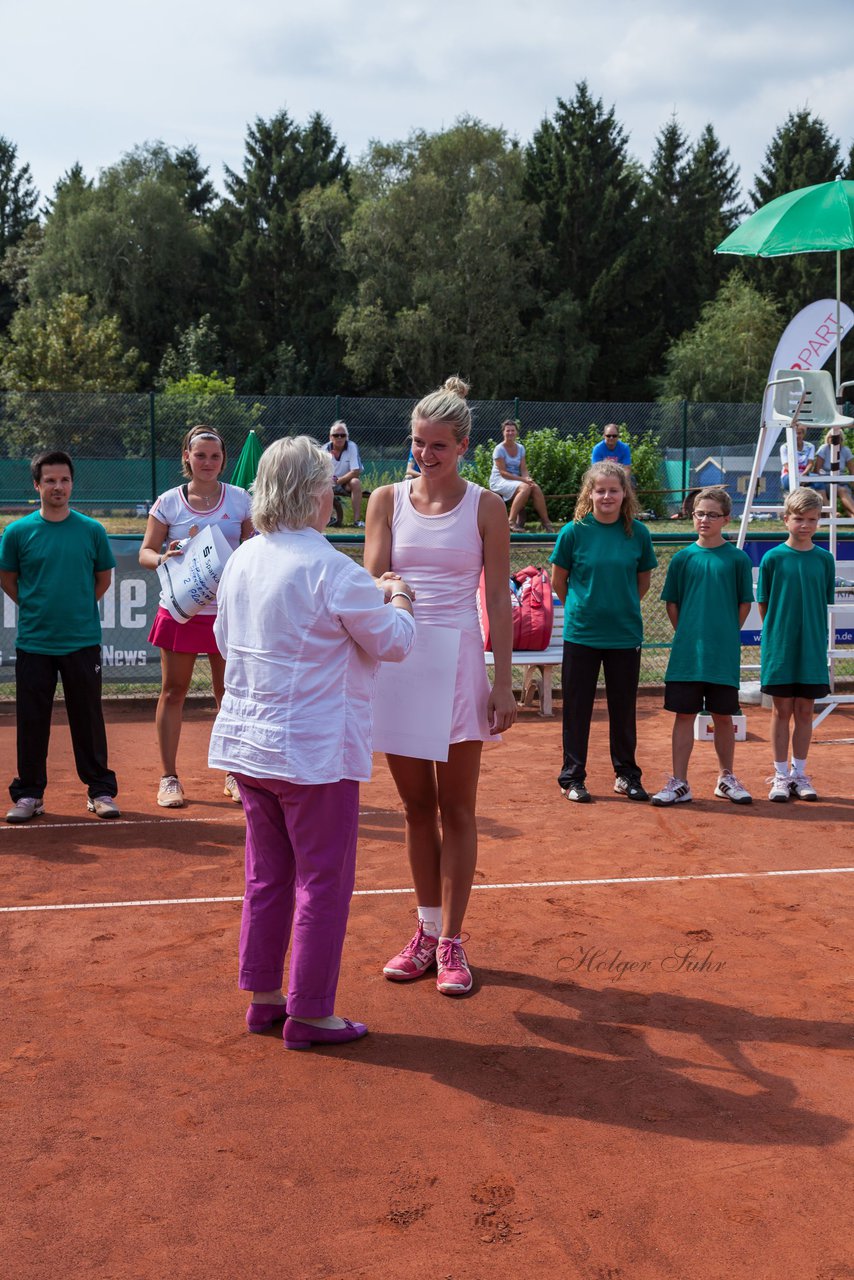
[{"x": 557, "y": 269}]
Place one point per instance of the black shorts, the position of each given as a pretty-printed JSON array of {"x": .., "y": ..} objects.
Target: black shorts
[
  {"x": 692, "y": 697},
  {"x": 796, "y": 690},
  {"x": 341, "y": 490}
]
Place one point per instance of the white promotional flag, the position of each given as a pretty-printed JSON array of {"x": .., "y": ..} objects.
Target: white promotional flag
[
  {"x": 808, "y": 342},
  {"x": 188, "y": 582}
]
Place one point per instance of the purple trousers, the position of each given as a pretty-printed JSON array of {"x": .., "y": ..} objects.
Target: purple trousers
[{"x": 300, "y": 871}]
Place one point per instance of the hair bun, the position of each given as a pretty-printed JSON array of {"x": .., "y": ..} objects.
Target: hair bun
[{"x": 457, "y": 386}]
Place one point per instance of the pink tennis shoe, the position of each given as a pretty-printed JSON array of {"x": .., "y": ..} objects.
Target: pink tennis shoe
[{"x": 415, "y": 959}]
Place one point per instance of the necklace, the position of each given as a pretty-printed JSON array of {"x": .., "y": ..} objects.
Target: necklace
[{"x": 203, "y": 497}]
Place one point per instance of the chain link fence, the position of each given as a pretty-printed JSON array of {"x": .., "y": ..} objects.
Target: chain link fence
[
  {"x": 128, "y": 445},
  {"x": 127, "y": 451}
]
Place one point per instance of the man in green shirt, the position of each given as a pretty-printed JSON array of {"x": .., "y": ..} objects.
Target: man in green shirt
[
  {"x": 56, "y": 564},
  {"x": 708, "y": 592}
]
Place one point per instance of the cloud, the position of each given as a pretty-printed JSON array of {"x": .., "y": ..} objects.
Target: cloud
[{"x": 185, "y": 71}]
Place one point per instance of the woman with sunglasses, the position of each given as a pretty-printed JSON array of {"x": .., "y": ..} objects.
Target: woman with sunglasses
[{"x": 177, "y": 515}]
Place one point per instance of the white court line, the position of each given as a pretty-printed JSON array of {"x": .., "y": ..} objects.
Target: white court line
[{"x": 520, "y": 884}]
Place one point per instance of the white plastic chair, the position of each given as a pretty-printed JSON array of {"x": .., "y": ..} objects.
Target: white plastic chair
[{"x": 819, "y": 400}]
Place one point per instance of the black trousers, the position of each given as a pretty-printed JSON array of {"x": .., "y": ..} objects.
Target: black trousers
[
  {"x": 35, "y": 686},
  {"x": 580, "y": 673}
]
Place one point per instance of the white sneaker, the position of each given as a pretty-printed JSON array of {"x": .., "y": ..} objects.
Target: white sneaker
[
  {"x": 801, "y": 788},
  {"x": 24, "y": 809},
  {"x": 104, "y": 807},
  {"x": 170, "y": 794},
  {"x": 779, "y": 792},
  {"x": 729, "y": 788},
  {"x": 674, "y": 791}
]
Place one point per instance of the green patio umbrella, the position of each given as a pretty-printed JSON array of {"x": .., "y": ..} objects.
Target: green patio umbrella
[
  {"x": 817, "y": 219},
  {"x": 247, "y": 464}
]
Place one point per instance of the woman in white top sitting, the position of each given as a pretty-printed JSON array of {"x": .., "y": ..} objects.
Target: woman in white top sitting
[
  {"x": 346, "y": 469},
  {"x": 511, "y": 481},
  {"x": 302, "y": 628},
  {"x": 823, "y": 458}
]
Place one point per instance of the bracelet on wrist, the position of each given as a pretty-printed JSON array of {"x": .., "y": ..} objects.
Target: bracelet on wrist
[{"x": 404, "y": 594}]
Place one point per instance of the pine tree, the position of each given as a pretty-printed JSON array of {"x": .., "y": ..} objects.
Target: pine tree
[
  {"x": 18, "y": 200},
  {"x": 589, "y": 192},
  {"x": 802, "y": 153},
  {"x": 672, "y": 307},
  {"x": 716, "y": 207},
  {"x": 281, "y": 304}
]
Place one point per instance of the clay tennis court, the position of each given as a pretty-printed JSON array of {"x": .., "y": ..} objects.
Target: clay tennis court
[{"x": 652, "y": 1078}]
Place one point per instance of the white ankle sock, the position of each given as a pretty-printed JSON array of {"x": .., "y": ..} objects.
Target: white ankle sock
[
  {"x": 781, "y": 767},
  {"x": 431, "y": 918},
  {"x": 799, "y": 766}
]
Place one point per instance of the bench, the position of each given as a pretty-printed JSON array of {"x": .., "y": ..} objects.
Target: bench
[{"x": 538, "y": 665}]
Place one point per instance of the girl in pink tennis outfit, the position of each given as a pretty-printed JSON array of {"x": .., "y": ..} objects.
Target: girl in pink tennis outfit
[
  {"x": 438, "y": 531},
  {"x": 177, "y": 516}
]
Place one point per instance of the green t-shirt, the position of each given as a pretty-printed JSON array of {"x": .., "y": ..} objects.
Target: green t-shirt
[
  {"x": 56, "y": 562},
  {"x": 797, "y": 587},
  {"x": 603, "y": 563},
  {"x": 708, "y": 584}
]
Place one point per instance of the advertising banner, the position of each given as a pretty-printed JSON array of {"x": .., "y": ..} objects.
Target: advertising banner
[
  {"x": 127, "y": 612},
  {"x": 808, "y": 342}
]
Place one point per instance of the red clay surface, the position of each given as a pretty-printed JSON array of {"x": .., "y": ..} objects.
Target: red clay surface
[{"x": 572, "y": 1118}]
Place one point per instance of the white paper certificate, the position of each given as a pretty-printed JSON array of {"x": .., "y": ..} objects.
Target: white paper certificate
[{"x": 414, "y": 699}]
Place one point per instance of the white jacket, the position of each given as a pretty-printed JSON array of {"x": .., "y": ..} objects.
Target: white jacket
[{"x": 302, "y": 628}]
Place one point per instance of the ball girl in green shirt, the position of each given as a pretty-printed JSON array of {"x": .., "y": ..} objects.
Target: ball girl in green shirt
[{"x": 601, "y": 568}]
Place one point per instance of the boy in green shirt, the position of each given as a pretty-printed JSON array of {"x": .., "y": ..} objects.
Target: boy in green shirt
[
  {"x": 796, "y": 584},
  {"x": 708, "y": 592}
]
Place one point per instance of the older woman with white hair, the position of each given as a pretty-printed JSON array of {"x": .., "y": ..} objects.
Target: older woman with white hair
[
  {"x": 302, "y": 628},
  {"x": 346, "y": 469}
]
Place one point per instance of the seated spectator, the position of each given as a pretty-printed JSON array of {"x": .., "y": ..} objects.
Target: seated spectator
[
  {"x": 844, "y": 492},
  {"x": 413, "y": 471},
  {"x": 512, "y": 482},
  {"x": 806, "y": 455},
  {"x": 612, "y": 449},
  {"x": 346, "y": 469}
]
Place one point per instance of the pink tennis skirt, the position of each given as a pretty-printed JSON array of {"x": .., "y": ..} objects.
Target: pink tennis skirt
[{"x": 195, "y": 636}]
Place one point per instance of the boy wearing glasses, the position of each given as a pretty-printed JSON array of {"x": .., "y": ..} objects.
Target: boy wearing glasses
[
  {"x": 612, "y": 449},
  {"x": 708, "y": 592},
  {"x": 797, "y": 582}
]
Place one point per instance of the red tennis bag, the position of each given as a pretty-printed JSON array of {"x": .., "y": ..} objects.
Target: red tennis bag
[{"x": 533, "y": 610}]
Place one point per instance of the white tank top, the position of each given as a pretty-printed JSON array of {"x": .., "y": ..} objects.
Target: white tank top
[{"x": 441, "y": 557}]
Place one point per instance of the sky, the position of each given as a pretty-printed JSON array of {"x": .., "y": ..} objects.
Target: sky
[{"x": 88, "y": 82}]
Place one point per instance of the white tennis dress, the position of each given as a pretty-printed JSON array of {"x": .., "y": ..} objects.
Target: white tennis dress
[{"x": 441, "y": 557}]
